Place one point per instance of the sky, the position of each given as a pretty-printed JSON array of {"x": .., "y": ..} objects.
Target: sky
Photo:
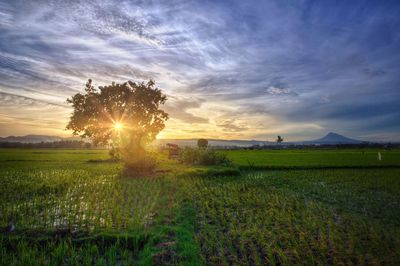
[{"x": 230, "y": 69}]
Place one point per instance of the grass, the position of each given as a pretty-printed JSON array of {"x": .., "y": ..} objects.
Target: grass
[
  {"x": 51, "y": 191},
  {"x": 73, "y": 207},
  {"x": 281, "y": 218},
  {"x": 306, "y": 159}
]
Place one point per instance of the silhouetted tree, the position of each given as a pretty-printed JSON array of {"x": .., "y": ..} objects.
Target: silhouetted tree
[
  {"x": 126, "y": 116},
  {"x": 202, "y": 143},
  {"x": 279, "y": 139}
]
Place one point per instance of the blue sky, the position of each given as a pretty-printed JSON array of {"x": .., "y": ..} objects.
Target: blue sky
[{"x": 231, "y": 69}]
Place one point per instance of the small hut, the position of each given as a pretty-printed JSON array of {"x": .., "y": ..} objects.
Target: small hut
[{"x": 173, "y": 150}]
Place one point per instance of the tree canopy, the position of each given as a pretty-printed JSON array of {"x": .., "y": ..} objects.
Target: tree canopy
[
  {"x": 202, "y": 143},
  {"x": 126, "y": 116}
]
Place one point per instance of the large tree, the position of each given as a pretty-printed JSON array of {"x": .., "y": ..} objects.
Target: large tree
[{"x": 126, "y": 116}]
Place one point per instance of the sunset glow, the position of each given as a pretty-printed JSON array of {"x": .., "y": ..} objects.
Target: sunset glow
[
  {"x": 197, "y": 132},
  {"x": 118, "y": 126},
  {"x": 232, "y": 70}
]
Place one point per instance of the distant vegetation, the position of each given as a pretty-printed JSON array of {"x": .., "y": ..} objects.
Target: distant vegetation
[
  {"x": 202, "y": 143},
  {"x": 70, "y": 144},
  {"x": 284, "y": 146},
  {"x": 202, "y": 156}
]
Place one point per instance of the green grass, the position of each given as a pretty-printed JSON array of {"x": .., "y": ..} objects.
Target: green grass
[
  {"x": 346, "y": 158},
  {"x": 49, "y": 191},
  {"x": 297, "y": 217},
  {"x": 73, "y": 207}
]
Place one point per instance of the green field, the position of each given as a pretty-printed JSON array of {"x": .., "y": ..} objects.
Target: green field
[
  {"x": 270, "y": 159},
  {"x": 283, "y": 207}
]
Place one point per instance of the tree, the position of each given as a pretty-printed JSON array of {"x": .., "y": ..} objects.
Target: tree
[
  {"x": 125, "y": 116},
  {"x": 202, "y": 143},
  {"x": 279, "y": 139}
]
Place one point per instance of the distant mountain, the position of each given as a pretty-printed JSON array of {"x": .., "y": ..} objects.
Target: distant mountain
[
  {"x": 180, "y": 142},
  {"x": 215, "y": 142},
  {"x": 331, "y": 139},
  {"x": 31, "y": 139}
]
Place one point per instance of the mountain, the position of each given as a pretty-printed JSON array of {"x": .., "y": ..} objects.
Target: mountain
[
  {"x": 331, "y": 139},
  {"x": 215, "y": 142},
  {"x": 31, "y": 138},
  {"x": 180, "y": 142}
]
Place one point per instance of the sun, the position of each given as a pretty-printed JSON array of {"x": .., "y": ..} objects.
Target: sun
[{"x": 118, "y": 126}]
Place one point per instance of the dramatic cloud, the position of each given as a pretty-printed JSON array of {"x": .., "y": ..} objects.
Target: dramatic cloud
[
  {"x": 179, "y": 109},
  {"x": 231, "y": 69},
  {"x": 272, "y": 90}
]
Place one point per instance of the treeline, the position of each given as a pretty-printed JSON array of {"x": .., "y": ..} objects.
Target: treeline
[
  {"x": 365, "y": 145},
  {"x": 70, "y": 144}
]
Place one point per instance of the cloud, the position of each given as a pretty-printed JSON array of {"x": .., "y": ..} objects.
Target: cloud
[
  {"x": 9, "y": 99},
  {"x": 178, "y": 108},
  {"x": 6, "y": 16},
  {"x": 231, "y": 126},
  {"x": 272, "y": 90},
  {"x": 374, "y": 72},
  {"x": 256, "y": 62}
]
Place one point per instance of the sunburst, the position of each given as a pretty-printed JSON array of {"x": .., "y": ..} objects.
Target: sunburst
[{"x": 118, "y": 126}]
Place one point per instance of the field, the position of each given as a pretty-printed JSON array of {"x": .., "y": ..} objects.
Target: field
[
  {"x": 283, "y": 207},
  {"x": 278, "y": 159}
]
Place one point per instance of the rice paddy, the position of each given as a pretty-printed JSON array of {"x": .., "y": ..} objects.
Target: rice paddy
[
  {"x": 275, "y": 219},
  {"x": 327, "y": 158},
  {"x": 72, "y": 207}
]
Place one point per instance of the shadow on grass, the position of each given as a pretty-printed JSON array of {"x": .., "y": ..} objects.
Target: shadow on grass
[
  {"x": 65, "y": 247},
  {"x": 110, "y": 160}
]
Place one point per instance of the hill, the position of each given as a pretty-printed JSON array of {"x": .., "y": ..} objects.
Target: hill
[
  {"x": 331, "y": 139},
  {"x": 31, "y": 139},
  {"x": 215, "y": 142}
]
